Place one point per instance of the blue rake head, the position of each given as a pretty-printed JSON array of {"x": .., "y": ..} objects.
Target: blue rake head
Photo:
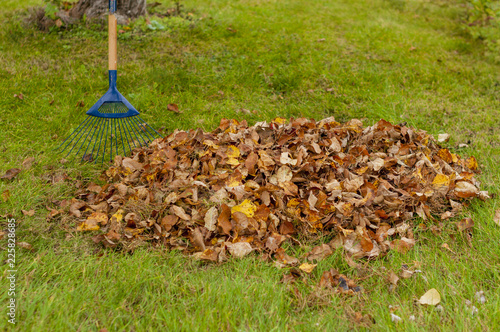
[{"x": 114, "y": 126}]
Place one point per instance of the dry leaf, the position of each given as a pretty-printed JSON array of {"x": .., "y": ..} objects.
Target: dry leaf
[
  {"x": 465, "y": 224},
  {"x": 319, "y": 252},
  {"x": 307, "y": 268},
  {"x": 246, "y": 207},
  {"x": 211, "y": 219},
  {"x": 28, "y": 162},
  {"x": 431, "y": 297},
  {"x": 443, "y": 138},
  {"x": 5, "y": 195},
  {"x": 173, "y": 108},
  {"x": 11, "y": 174},
  {"x": 239, "y": 249},
  {"x": 29, "y": 213},
  {"x": 496, "y": 218},
  {"x": 24, "y": 245}
]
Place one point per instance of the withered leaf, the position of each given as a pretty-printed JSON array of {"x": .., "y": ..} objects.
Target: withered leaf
[
  {"x": 29, "y": 213},
  {"x": 496, "y": 218},
  {"x": 10, "y": 174},
  {"x": 179, "y": 212},
  {"x": 211, "y": 219},
  {"x": 320, "y": 252},
  {"x": 239, "y": 249},
  {"x": 173, "y": 108},
  {"x": 28, "y": 162},
  {"x": 307, "y": 268},
  {"x": 24, "y": 245},
  {"x": 465, "y": 224},
  {"x": 431, "y": 297},
  {"x": 223, "y": 219}
]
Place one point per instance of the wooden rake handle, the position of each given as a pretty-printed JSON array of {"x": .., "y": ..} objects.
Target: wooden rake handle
[{"x": 112, "y": 42}]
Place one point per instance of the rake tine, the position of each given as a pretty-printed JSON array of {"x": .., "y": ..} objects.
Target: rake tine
[
  {"x": 149, "y": 126},
  {"x": 90, "y": 141},
  {"x": 120, "y": 124},
  {"x": 116, "y": 133},
  {"x": 138, "y": 131},
  {"x": 144, "y": 129},
  {"x": 127, "y": 122},
  {"x": 90, "y": 129},
  {"x": 74, "y": 131},
  {"x": 100, "y": 140},
  {"x": 80, "y": 134},
  {"x": 105, "y": 140}
]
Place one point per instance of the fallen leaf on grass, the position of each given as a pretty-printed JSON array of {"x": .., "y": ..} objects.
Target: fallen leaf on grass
[
  {"x": 24, "y": 245},
  {"x": 28, "y": 162},
  {"x": 465, "y": 224},
  {"x": 11, "y": 173},
  {"x": 239, "y": 249},
  {"x": 393, "y": 278},
  {"x": 5, "y": 195},
  {"x": 443, "y": 138},
  {"x": 306, "y": 267},
  {"x": 431, "y": 297},
  {"x": 29, "y": 213},
  {"x": 496, "y": 218},
  {"x": 19, "y": 96},
  {"x": 173, "y": 108},
  {"x": 319, "y": 252}
]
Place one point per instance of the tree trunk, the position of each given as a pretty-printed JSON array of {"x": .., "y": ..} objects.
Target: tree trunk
[{"x": 96, "y": 8}]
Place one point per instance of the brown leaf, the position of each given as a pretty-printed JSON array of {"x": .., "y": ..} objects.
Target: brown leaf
[
  {"x": 319, "y": 252},
  {"x": 29, "y": 213},
  {"x": 197, "y": 239},
  {"x": 28, "y": 162},
  {"x": 282, "y": 256},
  {"x": 239, "y": 249},
  {"x": 211, "y": 219},
  {"x": 223, "y": 219},
  {"x": 179, "y": 212},
  {"x": 75, "y": 208},
  {"x": 5, "y": 195},
  {"x": 465, "y": 224},
  {"x": 393, "y": 278},
  {"x": 19, "y": 96},
  {"x": 496, "y": 218},
  {"x": 11, "y": 174},
  {"x": 173, "y": 108},
  {"x": 25, "y": 245}
]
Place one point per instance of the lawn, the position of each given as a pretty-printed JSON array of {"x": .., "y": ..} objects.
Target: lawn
[{"x": 403, "y": 61}]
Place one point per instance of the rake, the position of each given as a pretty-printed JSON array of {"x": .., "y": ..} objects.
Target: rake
[{"x": 113, "y": 123}]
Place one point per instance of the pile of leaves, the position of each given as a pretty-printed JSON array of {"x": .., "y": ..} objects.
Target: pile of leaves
[{"x": 245, "y": 188}]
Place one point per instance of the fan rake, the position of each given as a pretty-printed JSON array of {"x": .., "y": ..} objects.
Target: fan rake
[{"x": 113, "y": 125}]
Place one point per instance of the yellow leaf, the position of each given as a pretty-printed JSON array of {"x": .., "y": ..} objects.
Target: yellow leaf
[
  {"x": 233, "y": 161},
  {"x": 118, "y": 216},
  {"x": 233, "y": 152},
  {"x": 211, "y": 144},
  {"x": 246, "y": 207},
  {"x": 88, "y": 225},
  {"x": 471, "y": 163},
  {"x": 445, "y": 154},
  {"x": 431, "y": 297},
  {"x": 307, "y": 268},
  {"x": 280, "y": 120},
  {"x": 441, "y": 180},
  {"x": 100, "y": 217}
]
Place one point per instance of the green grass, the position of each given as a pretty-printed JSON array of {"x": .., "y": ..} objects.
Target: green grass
[{"x": 397, "y": 60}]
